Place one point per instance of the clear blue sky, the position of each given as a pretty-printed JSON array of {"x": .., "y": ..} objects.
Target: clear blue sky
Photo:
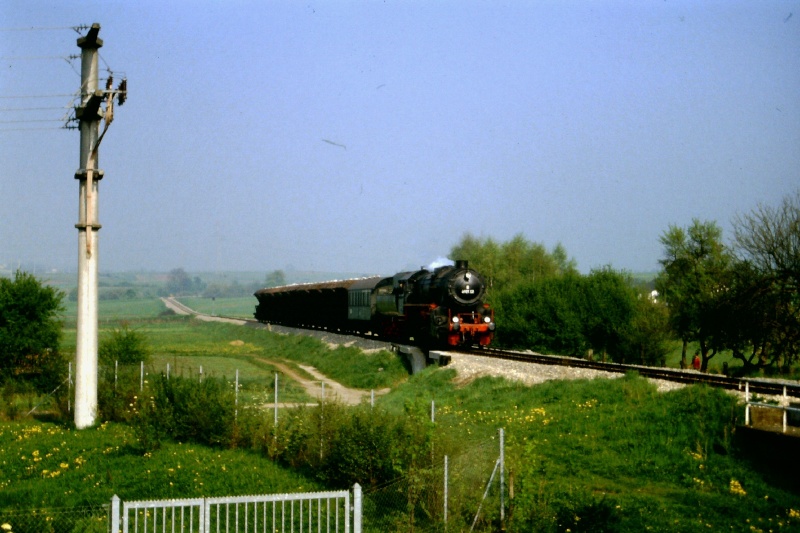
[{"x": 594, "y": 124}]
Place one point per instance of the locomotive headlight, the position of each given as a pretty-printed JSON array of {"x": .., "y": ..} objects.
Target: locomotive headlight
[
  {"x": 455, "y": 320},
  {"x": 487, "y": 319}
]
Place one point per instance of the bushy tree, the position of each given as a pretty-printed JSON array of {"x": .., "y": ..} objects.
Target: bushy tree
[
  {"x": 763, "y": 303},
  {"x": 542, "y": 315},
  {"x": 276, "y": 278},
  {"x": 517, "y": 261},
  {"x": 696, "y": 270},
  {"x": 571, "y": 314},
  {"x": 30, "y": 329},
  {"x": 179, "y": 283}
]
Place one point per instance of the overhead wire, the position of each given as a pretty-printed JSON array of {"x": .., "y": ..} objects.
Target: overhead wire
[
  {"x": 75, "y": 97},
  {"x": 78, "y": 28},
  {"x": 12, "y": 109}
]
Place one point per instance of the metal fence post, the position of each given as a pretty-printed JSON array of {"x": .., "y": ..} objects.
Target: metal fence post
[
  {"x": 115, "y": 514},
  {"x": 747, "y": 403},
  {"x": 141, "y": 376},
  {"x": 445, "y": 493},
  {"x": 69, "y": 388},
  {"x": 236, "y": 398},
  {"x": 276, "y": 399},
  {"x": 356, "y": 508},
  {"x": 785, "y": 410},
  {"x": 502, "y": 478},
  {"x": 116, "y": 374}
]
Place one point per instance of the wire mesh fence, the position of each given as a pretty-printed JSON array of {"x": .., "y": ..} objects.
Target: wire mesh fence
[
  {"x": 450, "y": 495},
  {"x": 88, "y": 519}
]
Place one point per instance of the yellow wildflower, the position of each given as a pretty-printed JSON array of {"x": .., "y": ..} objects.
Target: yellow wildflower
[{"x": 736, "y": 488}]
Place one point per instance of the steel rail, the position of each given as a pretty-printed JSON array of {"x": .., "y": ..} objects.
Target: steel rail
[
  {"x": 689, "y": 377},
  {"x": 756, "y": 386}
]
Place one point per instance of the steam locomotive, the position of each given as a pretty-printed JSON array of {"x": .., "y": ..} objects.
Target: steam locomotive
[{"x": 432, "y": 309}]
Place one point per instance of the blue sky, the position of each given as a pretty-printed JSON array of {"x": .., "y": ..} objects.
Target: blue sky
[{"x": 593, "y": 124}]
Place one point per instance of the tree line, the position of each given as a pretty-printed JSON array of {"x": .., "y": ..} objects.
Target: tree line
[
  {"x": 543, "y": 303},
  {"x": 179, "y": 283},
  {"x": 740, "y": 297}
]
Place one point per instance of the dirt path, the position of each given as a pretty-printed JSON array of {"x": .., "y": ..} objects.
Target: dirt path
[
  {"x": 313, "y": 387},
  {"x": 181, "y": 309}
]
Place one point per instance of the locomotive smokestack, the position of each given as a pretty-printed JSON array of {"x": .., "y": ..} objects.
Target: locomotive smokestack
[{"x": 462, "y": 263}]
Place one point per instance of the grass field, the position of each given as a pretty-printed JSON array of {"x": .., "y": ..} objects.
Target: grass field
[
  {"x": 576, "y": 450},
  {"x": 110, "y": 311},
  {"x": 187, "y": 345},
  {"x": 235, "y": 307},
  {"x": 605, "y": 454}
]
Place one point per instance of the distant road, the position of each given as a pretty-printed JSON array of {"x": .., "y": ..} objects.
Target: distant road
[{"x": 181, "y": 309}]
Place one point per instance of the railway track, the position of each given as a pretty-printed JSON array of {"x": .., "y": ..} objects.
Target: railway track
[{"x": 756, "y": 386}]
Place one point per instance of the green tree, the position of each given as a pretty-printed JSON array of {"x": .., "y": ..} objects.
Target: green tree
[
  {"x": 764, "y": 299},
  {"x": 504, "y": 265},
  {"x": 608, "y": 308},
  {"x": 696, "y": 270},
  {"x": 276, "y": 278},
  {"x": 179, "y": 282},
  {"x": 543, "y": 315},
  {"x": 30, "y": 330},
  {"x": 646, "y": 338}
]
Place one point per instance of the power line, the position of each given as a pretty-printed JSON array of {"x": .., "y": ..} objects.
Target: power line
[
  {"x": 36, "y": 96},
  {"x": 29, "y": 58},
  {"x": 3, "y": 130},
  {"x": 31, "y": 120},
  {"x": 53, "y": 108},
  {"x": 78, "y": 28}
]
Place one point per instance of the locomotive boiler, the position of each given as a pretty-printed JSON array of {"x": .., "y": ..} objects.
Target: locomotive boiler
[{"x": 429, "y": 308}]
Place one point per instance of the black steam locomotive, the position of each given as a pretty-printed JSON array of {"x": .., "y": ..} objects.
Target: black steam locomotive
[{"x": 431, "y": 309}]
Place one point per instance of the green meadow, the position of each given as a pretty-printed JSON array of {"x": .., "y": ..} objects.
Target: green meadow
[{"x": 584, "y": 455}]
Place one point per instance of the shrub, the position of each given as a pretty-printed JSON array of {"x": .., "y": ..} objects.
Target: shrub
[
  {"x": 125, "y": 346},
  {"x": 186, "y": 410}
]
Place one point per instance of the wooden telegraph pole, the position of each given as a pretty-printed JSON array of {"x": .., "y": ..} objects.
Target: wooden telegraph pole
[{"x": 89, "y": 113}]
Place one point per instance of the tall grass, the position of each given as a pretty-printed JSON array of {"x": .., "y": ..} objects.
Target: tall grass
[
  {"x": 49, "y": 465},
  {"x": 613, "y": 448},
  {"x": 607, "y": 454}
]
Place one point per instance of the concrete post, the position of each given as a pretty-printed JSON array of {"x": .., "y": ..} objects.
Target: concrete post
[
  {"x": 356, "y": 508},
  {"x": 88, "y": 226},
  {"x": 115, "y": 514}
]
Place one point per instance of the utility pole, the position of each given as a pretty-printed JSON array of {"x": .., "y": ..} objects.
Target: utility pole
[{"x": 89, "y": 113}]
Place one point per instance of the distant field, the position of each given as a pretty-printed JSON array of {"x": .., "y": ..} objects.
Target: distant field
[
  {"x": 112, "y": 310},
  {"x": 238, "y": 307}
]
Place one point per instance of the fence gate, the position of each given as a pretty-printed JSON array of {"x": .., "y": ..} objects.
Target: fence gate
[{"x": 297, "y": 513}]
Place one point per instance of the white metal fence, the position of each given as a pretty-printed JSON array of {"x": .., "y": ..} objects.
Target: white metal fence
[
  {"x": 300, "y": 512},
  {"x": 790, "y": 412}
]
